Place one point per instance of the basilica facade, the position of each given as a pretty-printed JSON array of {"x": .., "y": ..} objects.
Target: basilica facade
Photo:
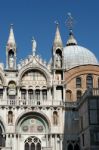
[{"x": 40, "y": 103}]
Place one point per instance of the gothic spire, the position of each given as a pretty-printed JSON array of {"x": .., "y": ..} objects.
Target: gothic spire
[
  {"x": 11, "y": 39},
  {"x": 11, "y": 51},
  {"x": 57, "y": 39}
]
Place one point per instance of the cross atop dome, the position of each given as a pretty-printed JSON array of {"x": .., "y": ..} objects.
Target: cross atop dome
[{"x": 70, "y": 22}]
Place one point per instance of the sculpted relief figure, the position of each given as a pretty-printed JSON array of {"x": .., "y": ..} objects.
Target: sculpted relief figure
[
  {"x": 58, "y": 60},
  {"x": 55, "y": 118},
  {"x": 11, "y": 61}
]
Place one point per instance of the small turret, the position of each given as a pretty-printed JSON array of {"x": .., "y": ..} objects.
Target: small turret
[
  {"x": 58, "y": 66},
  {"x": 11, "y": 51}
]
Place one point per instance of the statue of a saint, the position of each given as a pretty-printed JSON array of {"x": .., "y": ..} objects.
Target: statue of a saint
[
  {"x": 11, "y": 61},
  {"x": 55, "y": 118},
  {"x": 58, "y": 60}
]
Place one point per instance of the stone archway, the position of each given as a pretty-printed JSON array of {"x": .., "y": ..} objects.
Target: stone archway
[
  {"x": 32, "y": 143},
  {"x": 33, "y": 124},
  {"x": 2, "y": 139}
]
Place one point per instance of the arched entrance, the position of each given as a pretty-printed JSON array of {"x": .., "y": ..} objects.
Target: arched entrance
[
  {"x": 70, "y": 147},
  {"x": 32, "y": 143}
]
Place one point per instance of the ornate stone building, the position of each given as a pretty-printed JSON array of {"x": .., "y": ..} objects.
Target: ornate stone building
[{"x": 40, "y": 105}]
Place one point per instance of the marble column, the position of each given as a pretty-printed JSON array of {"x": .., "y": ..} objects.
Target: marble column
[
  {"x": 27, "y": 98},
  {"x": 61, "y": 139},
  {"x": 41, "y": 98},
  {"x": 7, "y": 142},
  {"x": 54, "y": 92},
  {"x": 46, "y": 140},
  {"x": 55, "y": 142},
  {"x": 5, "y": 94},
  {"x": 18, "y": 142}
]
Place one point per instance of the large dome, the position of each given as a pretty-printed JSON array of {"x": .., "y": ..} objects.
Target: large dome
[{"x": 75, "y": 55}]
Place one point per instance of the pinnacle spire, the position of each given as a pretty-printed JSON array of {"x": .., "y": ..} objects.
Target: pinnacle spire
[
  {"x": 11, "y": 39},
  {"x": 57, "y": 39}
]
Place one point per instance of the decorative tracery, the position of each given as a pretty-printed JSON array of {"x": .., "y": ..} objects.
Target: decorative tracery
[{"x": 32, "y": 143}]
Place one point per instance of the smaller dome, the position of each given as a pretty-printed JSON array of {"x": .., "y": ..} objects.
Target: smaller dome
[{"x": 75, "y": 55}]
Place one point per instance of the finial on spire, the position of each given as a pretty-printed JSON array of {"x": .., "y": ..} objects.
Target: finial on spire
[
  {"x": 34, "y": 46},
  {"x": 56, "y": 22},
  {"x": 11, "y": 25},
  {"x": 70, "y": 22}
]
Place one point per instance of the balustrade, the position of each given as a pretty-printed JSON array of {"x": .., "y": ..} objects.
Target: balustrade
[{"x": 28, "y": 102}]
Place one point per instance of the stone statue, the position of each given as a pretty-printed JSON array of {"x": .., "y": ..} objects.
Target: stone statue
[
  {"x": 10, "y": 117},
  {"x": 58, "y": 60},
  {"x": 11, "y": 61},
  {"x": 55, "y": 118}
]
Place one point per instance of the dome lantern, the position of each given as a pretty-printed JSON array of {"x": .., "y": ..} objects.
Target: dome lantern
[{"x": 71, "y": 40}]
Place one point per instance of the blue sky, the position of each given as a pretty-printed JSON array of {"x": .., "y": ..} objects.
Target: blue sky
[{"x": 36, "y": 18}]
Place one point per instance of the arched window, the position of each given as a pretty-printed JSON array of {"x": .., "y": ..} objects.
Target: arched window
[
  {"x": 10, "y": 117},
  {"x": 78, "y": 82},
  {"x": 70, "y": 147},
  {"x": 37, "y": 94},
  {"x": 30, "y": 94},
  {"x": 44, "y": 94},
  {"x": 26, "y": 146},
  {"x": 32, "y": 143},
  {"x": 89, "y": 81},
  {"x": 1, "y": 93},
  {"x": 79, "y": 94},
  {"x": 23, "y": 94},
  {"x": 32, "y": 146},
  {"x": 38, "y": 146},
  {"x": 68, "y": 95}
]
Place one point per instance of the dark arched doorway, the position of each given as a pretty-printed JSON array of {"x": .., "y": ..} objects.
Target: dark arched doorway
[
  {"x": 32, "y": 143},
  {"x": 76, "y": 147},
  {"x": 70, "y": 147}
]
